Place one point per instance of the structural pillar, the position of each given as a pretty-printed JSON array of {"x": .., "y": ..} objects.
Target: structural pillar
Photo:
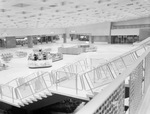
[
  {"x": 109, "y": 37},
  {"x": 91, "y": 40},
  {"x": 51, "y": 38},
  {"x": 30, "y": 42},
  {"x": 67, "y": 35},
  {"x": 64, "y": 38},
  {"x": 10, "y": 42}
]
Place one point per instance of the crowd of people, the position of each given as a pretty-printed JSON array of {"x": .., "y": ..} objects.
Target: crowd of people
[
  {"x": 2, "y": 66},
  {"x": 40, "y": 55}
]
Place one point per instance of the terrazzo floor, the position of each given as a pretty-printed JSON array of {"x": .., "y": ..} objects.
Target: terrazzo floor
[{"x": 18, "y": 67}]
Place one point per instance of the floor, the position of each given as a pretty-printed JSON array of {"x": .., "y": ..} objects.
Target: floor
[{"x": 18, "y": 67}]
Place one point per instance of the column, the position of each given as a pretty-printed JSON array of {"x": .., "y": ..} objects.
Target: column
[
  {"x": 67, "y": 35},
  {"x": 52, "y": 37},
  {"x": 30, "y": 42},
  {"x": 46, "y": 39},
  {"x": 10, "y": 42},
  {"x": 92, "y": 39},
  {"x": 109, "y": 37},
  {"x": 64, "y": 38}
]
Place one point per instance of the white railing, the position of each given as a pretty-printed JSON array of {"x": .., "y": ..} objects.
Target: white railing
[
  {"x": 112, "y": 99},
  {"x": 81, "y": 76},
  {"x": 91, "y": 73}
]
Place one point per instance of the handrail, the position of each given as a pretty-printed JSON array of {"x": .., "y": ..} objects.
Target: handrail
[
  {"x": 16, "y": 79},
  {"x": 81, "y": 76},
  {"x": 114, "y": 59},
  {"x": 24, "y": 77},
  {"x": 144, "y": 41},
  {"x": 32, "y": 79},
  {"x": 94, "y": 105}
]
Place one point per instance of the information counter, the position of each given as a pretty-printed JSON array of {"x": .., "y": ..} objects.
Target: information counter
[
  {"x": 40, "y": 63},
  {"x": 40, "y": 59}
]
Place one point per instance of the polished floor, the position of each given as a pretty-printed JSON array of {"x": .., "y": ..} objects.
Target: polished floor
[{"x": 18, "y": 67}]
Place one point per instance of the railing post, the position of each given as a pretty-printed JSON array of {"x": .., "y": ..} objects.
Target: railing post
[
  {"x": 45, "y": 84},
  {"x": 56, "y": 81},
  {"x": 50, "y": 77},
  {"x": 18, "y": 93},
  {"x": 144, "y": 47},
  {"x": 31, "y": 90},
  {"x": 133, "y": 56},
  {"x": 110, "y": 71},
  {"x": 94, "y": 71},
  {"x": 123, "y": 61},
  {"x": 76, "y": 83},
  {"x": 82, "y": 81},
  {"x": 13, "y": 95},
  {"x": 136, "y": 54},
  {"x": 1, "y": 92},
  {"x": 113, "y": 69},
  {"x": 89, "y": 85},
  {"x": 104, "y": 70},
  {"x": 116, "y": 68}
]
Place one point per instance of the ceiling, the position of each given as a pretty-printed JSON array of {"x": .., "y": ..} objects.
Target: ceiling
[{"x": 67, "y": 13}]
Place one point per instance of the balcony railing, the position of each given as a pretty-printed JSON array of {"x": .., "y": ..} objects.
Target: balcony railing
[
  {"x": 112, "y": 99},
  {"x": 80, "y": 79}
]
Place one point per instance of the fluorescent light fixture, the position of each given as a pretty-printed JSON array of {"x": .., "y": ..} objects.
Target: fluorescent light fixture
[
  {"x": 4, "y": 34},
  {"x": 25, "y": 38},
  {"x": 72, "y": 31},
  {"x": 38, "y": 38}
]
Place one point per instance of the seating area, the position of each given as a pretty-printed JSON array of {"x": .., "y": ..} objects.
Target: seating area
[
  {"x": 56, "y": 56},
  {"x": 78, "y": 49},
  {"x": 21, "y": 54},
  {"x": 88, "y": 48},
  {"x": 7, "y": 57},
  {"x": 39, "y": 59},
  {"x": 70, "y": 50},
  {"x": 43, "y": 58},
  {"x": 3, "y": 66}
]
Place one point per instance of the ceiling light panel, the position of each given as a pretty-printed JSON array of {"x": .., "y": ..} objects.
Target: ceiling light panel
[{"x": 66, "y": 13}]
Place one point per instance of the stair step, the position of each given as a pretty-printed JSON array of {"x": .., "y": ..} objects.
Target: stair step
[
  {"x": 90, "y": 95},
  {"x": 33, "y": 99},
  {"x": 25, "y": 102},
  {"x": 43, "y": 95},
  {"x": 29, "y": 100},
  {"x": 38, "y": 97},
  {"x": 48, "y": 93},
  {"x": 21, "y": 104}
]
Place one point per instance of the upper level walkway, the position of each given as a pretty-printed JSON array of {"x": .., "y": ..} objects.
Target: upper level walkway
[{"x": 112, "y": 99}]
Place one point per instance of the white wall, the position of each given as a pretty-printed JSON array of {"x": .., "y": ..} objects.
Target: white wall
[
  {"x": 99, "y": 29},
  {"x": 29, "y": 31},
  {"x": 134, "y": 22},
  {"x": 125, "y": 32}
]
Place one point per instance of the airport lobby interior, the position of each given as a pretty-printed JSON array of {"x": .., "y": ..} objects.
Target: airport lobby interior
[{"x": 74, "y": 56}]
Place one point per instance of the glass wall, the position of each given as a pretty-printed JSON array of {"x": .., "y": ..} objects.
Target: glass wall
[{"x": 124, "y": 39}]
